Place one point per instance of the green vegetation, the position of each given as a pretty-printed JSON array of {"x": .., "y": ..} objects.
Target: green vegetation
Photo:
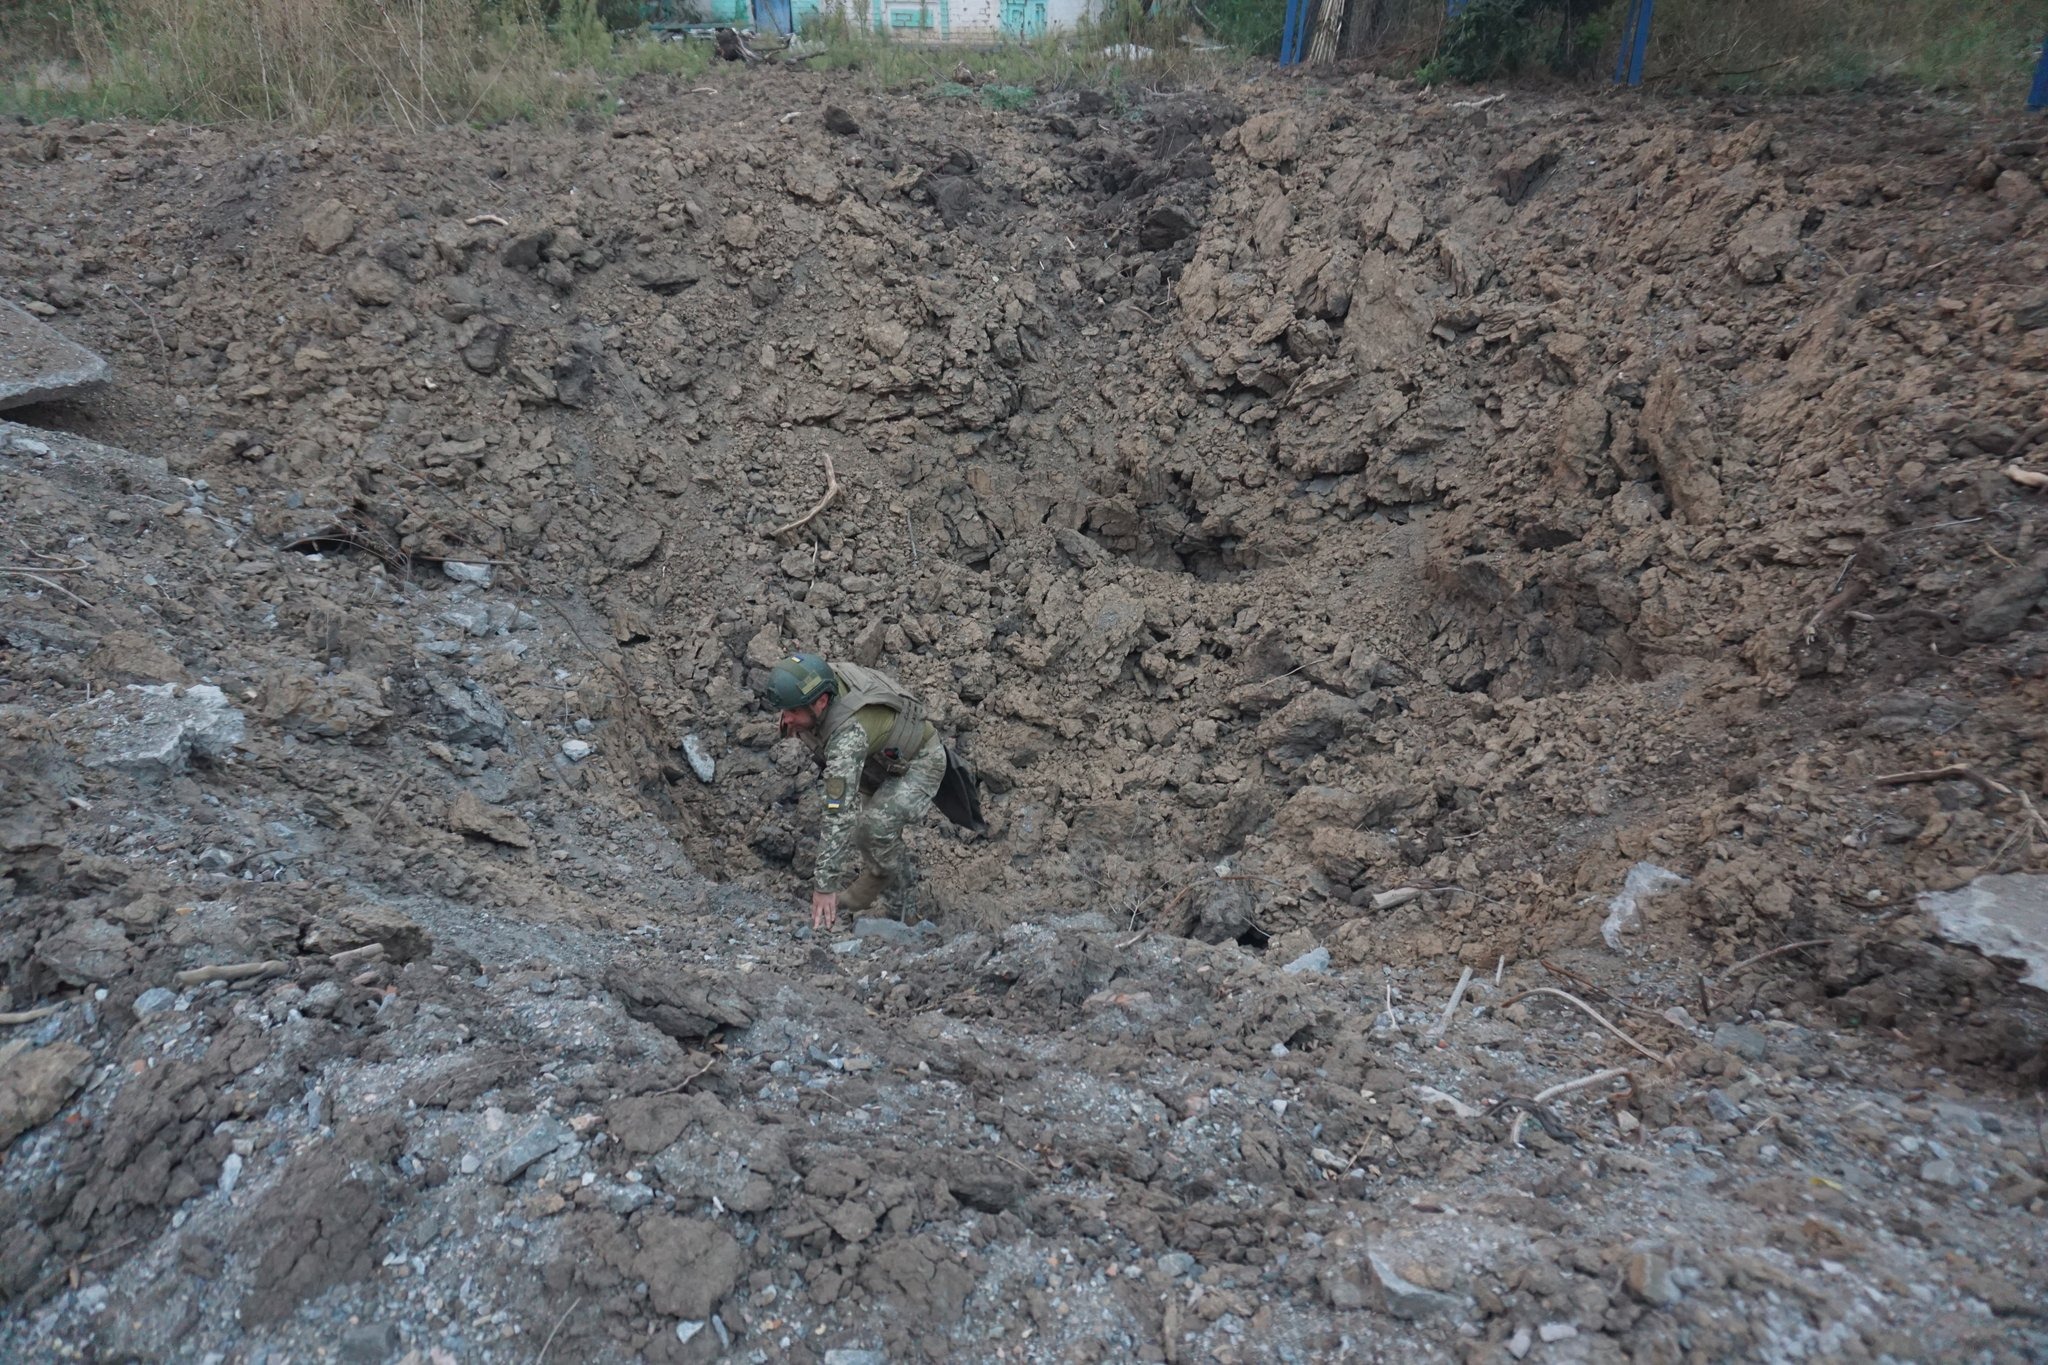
[
  {"x": 430, "y": 63},
  {"x": 1959, "y": 45}
]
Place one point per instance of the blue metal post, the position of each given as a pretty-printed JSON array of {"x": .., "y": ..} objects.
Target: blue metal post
[
  {"x": 1635, "y": 42},
  {"x": 2038, "y": 97},
  {"x": 1290, "y": 32}
]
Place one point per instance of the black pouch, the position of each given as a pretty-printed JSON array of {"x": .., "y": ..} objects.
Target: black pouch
[{"x": 958, "y": 797}]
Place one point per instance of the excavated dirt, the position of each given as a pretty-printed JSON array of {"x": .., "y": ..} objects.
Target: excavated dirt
[{"x": 1287, "y": 495}]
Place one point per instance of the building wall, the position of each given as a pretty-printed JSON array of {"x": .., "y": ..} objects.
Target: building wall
[{"x": 957, "y": 21}]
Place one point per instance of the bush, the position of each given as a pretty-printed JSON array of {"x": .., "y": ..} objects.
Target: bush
[{"x": 1494, "y": 38}]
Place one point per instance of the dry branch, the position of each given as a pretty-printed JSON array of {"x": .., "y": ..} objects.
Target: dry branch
[
  {"x": 29, "y": 1016},
  {"x": 1562, "y": 1088},
  {"x": 1443, "y": 1024},
  {"x": 1767, "y": 955},
  {"x": 369, "y": 952},
  {"x": 236, "y": 971},
  {"x": 831, "y": 492},
  {"x": 1598, "y": 1018}
]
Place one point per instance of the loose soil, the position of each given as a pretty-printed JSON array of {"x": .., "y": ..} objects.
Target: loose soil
[{"x": 1285, "y": 494}]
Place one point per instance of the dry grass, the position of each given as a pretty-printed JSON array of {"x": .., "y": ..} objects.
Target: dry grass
[{"x": 314, "y": 63}]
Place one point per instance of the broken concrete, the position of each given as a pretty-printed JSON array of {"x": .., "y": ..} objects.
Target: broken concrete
[
  {"x": 2001, "y": 916},
  {"x": 39, "y": 364}
]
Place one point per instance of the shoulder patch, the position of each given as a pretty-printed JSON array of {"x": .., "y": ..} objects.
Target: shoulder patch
[{"x": 835, "y": 793}]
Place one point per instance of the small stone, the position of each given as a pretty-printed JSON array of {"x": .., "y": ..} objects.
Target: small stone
[
  {"x": 576, "y": 750},
  {"x": 627, "y": 1199},
  {"x": 230, "y": 1172},
  {"x": 699, "y": 758},
  {"x": 847, "y": 1355},
  {"x": 894, "y": 931},
  {"x": 1401, "y": 1297},
  {"x": 838, "y": 121},
  {"x": 541, "y": 1140},
  {"x": 373, "y": 1342},
  {"x": 1649, "y": 1279},
  {"x": 471, "y": 1163},
  {"x": 1557, "y": 1331},
  {"x": 1723, "y": 1109},
  {"x": 155, "y": 1000},
  {"x": 1179, "y": 1264},
  {"x": 1519, "y": 1344},
  {"x": 328, "y": 228},
  {"x": 479, "y": 574},
  {"x": 1742, "y": 1040},
  {"x": 1942, "y": 1172},
  {"x": 1316, "y": 960}
]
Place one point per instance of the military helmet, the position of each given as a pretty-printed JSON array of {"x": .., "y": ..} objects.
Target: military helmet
[{"x": 798, "y": 681}]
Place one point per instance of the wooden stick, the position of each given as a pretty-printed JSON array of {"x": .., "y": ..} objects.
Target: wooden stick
[
  {"x": 1954, "y": 770},
  {"x": 369, "y": 952},
  {"x": 831, "y": 492},
  {"x": 237, "y": 971},
  {"x": 1566, "y": 1087},
  {"x": 1522, "y": 1116},
  {"x": 52, "y": 586},
  {"x": 1443, "y": 1025},
  {"x": 1598, "y": 1018},
  {"x": 1764, "y": 956},
  {"x": 29, "y": 1016}
]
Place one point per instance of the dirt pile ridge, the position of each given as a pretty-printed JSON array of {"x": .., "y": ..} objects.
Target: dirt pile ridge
[{"x": 1289, "y": 496}]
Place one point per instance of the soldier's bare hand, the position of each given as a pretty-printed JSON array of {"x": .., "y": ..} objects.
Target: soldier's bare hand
[{"x": 824, "y": 909}]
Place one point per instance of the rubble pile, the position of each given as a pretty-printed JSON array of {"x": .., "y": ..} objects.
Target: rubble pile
[{"x": 1448, "y": 601}]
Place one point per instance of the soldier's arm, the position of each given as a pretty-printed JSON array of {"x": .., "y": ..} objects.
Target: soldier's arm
[{"x": 844, "y": 757}]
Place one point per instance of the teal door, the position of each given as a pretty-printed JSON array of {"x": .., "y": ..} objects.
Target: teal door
[{"x": 1024, "y": 18}]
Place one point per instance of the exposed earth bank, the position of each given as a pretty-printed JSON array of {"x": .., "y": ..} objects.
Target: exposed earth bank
[{"x": 1291, "y": 497}]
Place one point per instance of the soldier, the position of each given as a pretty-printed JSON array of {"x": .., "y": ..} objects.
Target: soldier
[{"x": 884, "y": 763}]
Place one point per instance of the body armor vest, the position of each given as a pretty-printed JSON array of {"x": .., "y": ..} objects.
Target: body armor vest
[{"x": 863, "y": 687}]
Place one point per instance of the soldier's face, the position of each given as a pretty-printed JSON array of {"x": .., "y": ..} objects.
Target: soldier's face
[{"x": 803, "y": 718}]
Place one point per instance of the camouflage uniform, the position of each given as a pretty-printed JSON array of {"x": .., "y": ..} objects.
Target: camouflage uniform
[
  {"x": 883, "y": 764},
  {"x": 872, "y": 824}
]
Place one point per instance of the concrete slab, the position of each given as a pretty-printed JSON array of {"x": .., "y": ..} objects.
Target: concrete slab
[
  {"x": 2005, "y": 916},
  {"x": 39, "y": 364}
]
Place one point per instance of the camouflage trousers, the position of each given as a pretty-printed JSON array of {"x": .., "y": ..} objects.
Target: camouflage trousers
[{"x": 884, "y": 815}]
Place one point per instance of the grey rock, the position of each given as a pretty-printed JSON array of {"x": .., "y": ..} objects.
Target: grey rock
[
  {"x": 1401, "y": 1297},
  {"x": 1998, "y": 610},
  {"x": 473, "y": 617},
  {"x": 1649, "y": 1278},
  {"x": 1742, "y": 1040},
  {"x": 895, "y": 931},
  {"x": 1723, "y": 1109},
  {"x": 159, "y": 729},
  {"x": 1943, "y": 1172},
  {"x": 155, "y": 1000},
  {"x": 479, "y": 574},
  {"x": 39, "y": 364},
  {"x": 372, "y": 1343},
  {"x": 1557, "y": 1331},
  {"x": 699, "y": 758},
  {"x": 541, "y": 1140},
  {"x": 468, "y": 714},
  {"x": 1178, "y": 1264},
  {"x": 628, "y": 1198},
  {"x": 2031, "y": 313},
  {"x": 230, "y": 1172},
  {"x": 848, "y": 1355},
  {"x": 1315, "y": 960},
  {"x": 1520, "y": 1343}
]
